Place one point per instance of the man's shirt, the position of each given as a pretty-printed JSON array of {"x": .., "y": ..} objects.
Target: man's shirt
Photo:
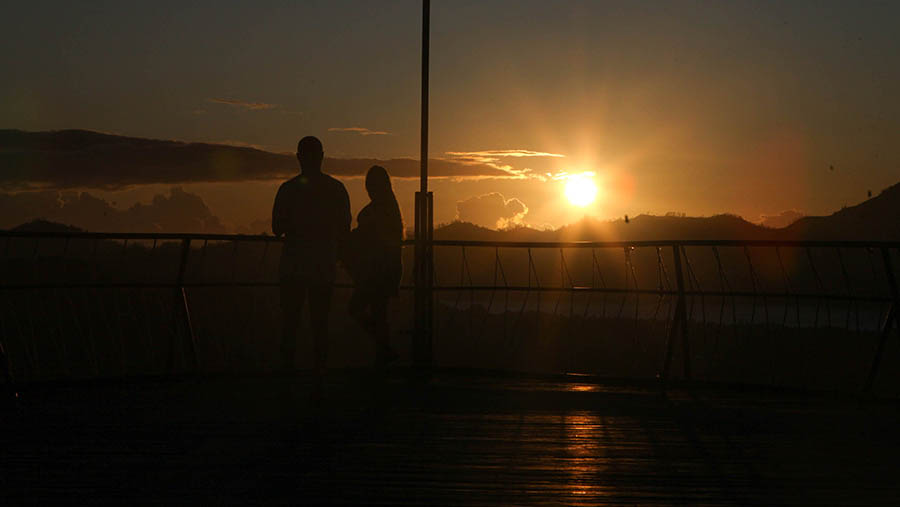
[{"x": 313, "y": 213}]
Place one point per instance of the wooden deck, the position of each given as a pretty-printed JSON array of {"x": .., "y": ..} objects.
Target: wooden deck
[{"x": 465, "y": 438}]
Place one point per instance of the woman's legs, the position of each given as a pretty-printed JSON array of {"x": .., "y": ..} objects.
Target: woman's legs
[
  {"x": 369, "y": 309},
  {"x": 384, "y": 354},
  {"x": 358, "y": 308}
]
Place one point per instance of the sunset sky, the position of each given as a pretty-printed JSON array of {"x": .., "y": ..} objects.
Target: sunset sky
[{"x": 698, "y": 107}]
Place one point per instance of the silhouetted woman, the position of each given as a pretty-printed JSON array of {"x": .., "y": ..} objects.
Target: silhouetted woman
[{"x": 375, "y": 261}]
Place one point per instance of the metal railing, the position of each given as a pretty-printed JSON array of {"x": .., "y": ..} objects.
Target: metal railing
[
  {"x": 706, "y": 285},
  {"x": 811, "y": 286}
]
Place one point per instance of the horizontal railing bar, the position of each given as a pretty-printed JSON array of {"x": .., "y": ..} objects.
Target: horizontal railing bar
[
  {"x": 669, "y": 243},
  {"x": 469, "y": 243},
  {"x": 150, "y": 285},
  {"x": 449, "y": 288},
  {"x": 656, "y": 292},
  {"x": 140, "y": 235}
]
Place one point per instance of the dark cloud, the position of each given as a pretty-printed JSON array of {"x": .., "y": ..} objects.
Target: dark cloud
[
  {"x": 499, "y": 159},
  {"x": 83, "y": 159},
  {"x": 250, "y": 106},
  {"x": 491, "y": 210},
  {"x": 363, "y": 131},
  {"x": 179, "y": 211},
  {"x": 409, "y": 168}
]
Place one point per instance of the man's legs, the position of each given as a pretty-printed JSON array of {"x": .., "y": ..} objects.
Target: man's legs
[
  {"x": 380, "y": 329},
  {"x": 293, "y": 294},
  {"x": 319, "y": 308}
]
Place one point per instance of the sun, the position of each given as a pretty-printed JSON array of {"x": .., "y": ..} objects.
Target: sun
[{"x": 581, "y": 189}]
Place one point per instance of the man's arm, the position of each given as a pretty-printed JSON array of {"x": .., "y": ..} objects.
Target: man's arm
[
  {"x": 279, "y": 213},
  {"x": 344, "y": 218}
]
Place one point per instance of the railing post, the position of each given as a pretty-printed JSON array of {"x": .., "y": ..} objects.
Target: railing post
[
  {"x": 679, "y": 323},
  {"x": 423, "y": 352},
  {"x": 889, "y": 319},
  {"x": 7, "y": 375},
  {"x": 181, "y": 305},
  {"x": 682, "y": 307}
]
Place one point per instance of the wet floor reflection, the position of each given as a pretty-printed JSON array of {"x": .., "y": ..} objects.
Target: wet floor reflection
[
  {"x": 588, "y": 460},
  {"x": 583, "y": 388}
]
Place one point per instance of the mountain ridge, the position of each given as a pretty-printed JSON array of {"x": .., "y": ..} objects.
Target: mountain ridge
[
  {"x": 876, "y": 219},
  {"x": 66, "y": 158}
]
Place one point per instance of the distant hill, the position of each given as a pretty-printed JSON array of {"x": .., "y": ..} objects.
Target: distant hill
[
  {"x": 877, "y": 218},
  {"x": 45, "y": 226},
  {"x": 471, "y": 232},
  {"x": 643, "y": 227},
  {"x": 650, "y": 227}
]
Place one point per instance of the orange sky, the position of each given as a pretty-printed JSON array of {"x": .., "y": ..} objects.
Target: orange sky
[{"x": 697, "y": 107}]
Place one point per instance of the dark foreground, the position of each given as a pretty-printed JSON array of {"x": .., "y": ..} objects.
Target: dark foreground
[{"x": 467, "y": 437}]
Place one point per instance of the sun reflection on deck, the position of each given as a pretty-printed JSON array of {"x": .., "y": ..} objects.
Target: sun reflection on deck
[
  {"x": 583, "y": 388},
  {"x": 587, "y": 459}
]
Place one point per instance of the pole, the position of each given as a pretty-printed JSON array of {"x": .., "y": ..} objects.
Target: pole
[
  {"x": 424, "y": 226},
  {"x": 423, "y": 153}
]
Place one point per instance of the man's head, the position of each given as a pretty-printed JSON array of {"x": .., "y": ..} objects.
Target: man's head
[{"x": 310, "y": 154}]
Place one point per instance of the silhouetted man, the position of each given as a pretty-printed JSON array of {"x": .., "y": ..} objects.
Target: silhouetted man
[{"x": 312, "y": 211}]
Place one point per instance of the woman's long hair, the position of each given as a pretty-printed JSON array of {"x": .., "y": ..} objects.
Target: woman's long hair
[{"x": 378, "y": 185}]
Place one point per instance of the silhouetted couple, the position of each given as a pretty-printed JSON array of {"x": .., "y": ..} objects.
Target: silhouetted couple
[{"x": 312, "y": 211}]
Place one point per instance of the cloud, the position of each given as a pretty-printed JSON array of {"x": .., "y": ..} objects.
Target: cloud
[
  {"x": 258, "y": 226},
  {"x": 241, "y": 144},
  {"x": 250, "y": 106},
  {"x": 363, "y": 131},
  {"x": 492, "y": 210},
  {"x": 179, "y": 211},
  {"x": 781, "y": 220},
  {"x": 493, "y": 155},
  {"x": 495, "y": 158},
  {"x": 410, "y": 168},
  {"x": 84, "y": 159}
]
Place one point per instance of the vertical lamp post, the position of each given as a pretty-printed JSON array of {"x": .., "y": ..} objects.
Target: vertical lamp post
[{"x": 424, "y": 227}]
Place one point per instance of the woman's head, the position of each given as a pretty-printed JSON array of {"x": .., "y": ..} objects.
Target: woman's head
[{"x": 378, "y": 183}]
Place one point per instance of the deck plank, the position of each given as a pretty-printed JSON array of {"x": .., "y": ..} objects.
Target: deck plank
[{"x": 466, "y": 437}]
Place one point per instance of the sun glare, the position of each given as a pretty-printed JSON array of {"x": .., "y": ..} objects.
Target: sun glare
[{"x": 581, "y": 189}]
